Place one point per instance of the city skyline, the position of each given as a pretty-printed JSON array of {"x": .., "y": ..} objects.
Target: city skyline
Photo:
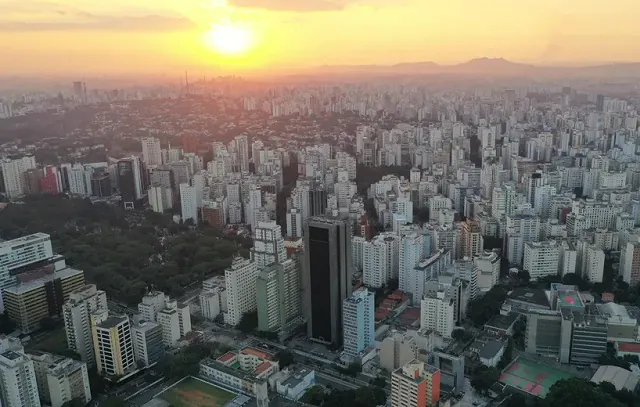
[{"x": 246, "y": 36}]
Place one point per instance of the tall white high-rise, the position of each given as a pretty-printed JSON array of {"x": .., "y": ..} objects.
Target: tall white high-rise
[
  {"x": 80, "y": 179},
  {"x": 189, "y": 203},
  {"x": 76, "y": 313},
  {"x": 541, "y": 258},
  {"x": 240, "y": 280},
  {"x": 380, "y": 260},
  {"x": 13, "y": 170},
  {"x": 151, "y": 151},
  {"x": 411, "y": 252},
  {"x": 18, "y": 385},
  {"x": 358, "y": 322},
  {"x": 505, "y": 200},
  {"x": 437, "y": 312}
]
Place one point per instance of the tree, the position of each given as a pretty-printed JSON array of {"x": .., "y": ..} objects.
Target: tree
[
  {"x": 458, "y": 334},
  {"x": 578, "y": 393},
  {"x": 379, "y": 381},
  {"x": 74, "y": 403},
  {"x": 524, "y": 277},
  {"x": 482, "y": 309},
  {"x": 516, "y": 400},
  {"x": 6, "y": 325},
  {"x": 507, "y": 356},
  {"x": 483, "y": 378},
  {"x": 285, "y": 358},
  {"x": 248, "y": 322},
  {"x": 314, "y": 396}
]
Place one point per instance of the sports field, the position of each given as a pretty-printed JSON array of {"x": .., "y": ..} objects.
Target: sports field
[
  {"x": 532, "y": 377},
  {"x": 192, "y": 392}
]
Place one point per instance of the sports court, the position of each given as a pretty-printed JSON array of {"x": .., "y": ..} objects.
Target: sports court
[
  {"x": 532, "y": 377},
  {"x": 192, "y": 392}
]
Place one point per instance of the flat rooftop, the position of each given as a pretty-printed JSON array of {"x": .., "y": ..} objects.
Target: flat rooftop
[
  {"x": 502, "y": 322},
  {"x": 534, "y": 296}
]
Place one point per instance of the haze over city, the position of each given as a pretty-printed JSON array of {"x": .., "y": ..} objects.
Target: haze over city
[{"x": 86, "y": 37}]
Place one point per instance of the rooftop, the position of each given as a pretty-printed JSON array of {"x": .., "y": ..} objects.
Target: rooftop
[
  {"x": 23, "y": 239},
  {"x": 502, "y": 322},
  {"x": 257, "y": 353},
  {"x": 39, "y": 282},
  {"x": 112, "y": 322},
  {"x": 535, "y": 296},
  {"x": 619, "y": 377}
]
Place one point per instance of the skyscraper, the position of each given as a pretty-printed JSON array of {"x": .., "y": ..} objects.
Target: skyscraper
[
  {"x": 268, "y": 244},
  {"x": 131, "y": 181},
  {"x": 242, "y": 151},
  {"x": 188, "y": 203},
  {"x": 240, "y": 280},
  {"x": 151, "y": 151},
  {"x": 326, "y": 277},
  {"x": 13, "y": 174}
]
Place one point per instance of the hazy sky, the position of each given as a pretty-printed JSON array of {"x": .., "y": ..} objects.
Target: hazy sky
[{"x": 116, "y": 36}]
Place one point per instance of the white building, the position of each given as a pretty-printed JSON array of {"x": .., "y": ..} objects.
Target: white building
[
  {"x": 160, "y": 198},
  {"x": 13, "y": 174},
  {"x": 488, "y": 270},
  {"x": 80, "y": 180},
  {"x": 148, "y": 347},
  {"x": 437, "y": 313},
  {"x": 593, "y": 264},
  {"x": 240, "y": 280},
  {"x": 541, "y": 258},
  {"x": 18, "y": 386},
  {"x": 76, "y": 313},
  {"x": 380, "y": 260},
  {"x": 210, "y": 304},
  {"x": 411, "y": 253},
  {"x": 151, "y": 151},
  {"x": 188, "y": 203},
  {"x": 397, "y": 350},
  {"x": 358, "y": 315},
  {"x": 60, "y": 379}
]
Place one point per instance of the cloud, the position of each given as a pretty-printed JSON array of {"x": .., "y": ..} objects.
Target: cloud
[
  {"x": 292, "y": 5},
  {"x": 99, "y": 23}
]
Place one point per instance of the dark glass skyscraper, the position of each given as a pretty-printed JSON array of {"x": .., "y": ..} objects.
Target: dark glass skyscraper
[{"x": 326, "y": 277}]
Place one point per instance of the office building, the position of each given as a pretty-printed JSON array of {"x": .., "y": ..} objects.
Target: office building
[
  {"x": 151, "y": 151},
  {"x": 588, "y": 335},
  {"x": 76, "y": 313},
  {"x": 397, "y": 350},
  {"x": 101, "y": 184},
  {"x": 327, "y": 273},
  {"x": 240, "y": 280},
  {"x": 113, "y": 344},
  {"x": 268, "y": 244},
  {"x": 188, "y": 203},
  {"x": 18, "y": 386},
  {"x": 60, "y": 379},
  {"x": 425, "y": 271},
  {"x": 278, "y": 295},
  {"x": 415, "y": 384},
  {"x": 451, "y": 370},
  {"x": 242, "y": 152},
  {"x": 17, "y": 254},
  {"x": 541, "y": 258},
  {"x": 215, "y": 212},
  {"x": 131, "y": 181},
  {"x": 40, "y": 295},
  {"x": 148, "y": 348},
  {"x": 358, "y": 317}
]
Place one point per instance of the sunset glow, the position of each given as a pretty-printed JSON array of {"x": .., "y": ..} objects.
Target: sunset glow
[{"x": 229, "y": 39}]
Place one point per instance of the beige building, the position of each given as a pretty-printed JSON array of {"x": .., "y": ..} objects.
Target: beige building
[
  {"x": 396, "y": 351},
  {"x": 60, "y": 379}
]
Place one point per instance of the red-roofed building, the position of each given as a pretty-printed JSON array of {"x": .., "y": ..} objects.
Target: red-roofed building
[
  {"x": 228, "y": 358},
  {"x": 394, "y": 304},
  {"x": 50, "y": 183},
  {"x": 265, "y": 369},
  {"x": 607, "y": 297}
]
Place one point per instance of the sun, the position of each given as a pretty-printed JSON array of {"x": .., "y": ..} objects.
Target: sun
[{"x": 229, "y": 39}]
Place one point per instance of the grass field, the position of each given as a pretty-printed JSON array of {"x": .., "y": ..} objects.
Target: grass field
[
  {"x": 194, "y": 393},
  {"x": 532, "y": 377}
]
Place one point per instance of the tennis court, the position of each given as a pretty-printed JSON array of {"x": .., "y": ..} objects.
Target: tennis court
[{"x": 532, "y": 377}]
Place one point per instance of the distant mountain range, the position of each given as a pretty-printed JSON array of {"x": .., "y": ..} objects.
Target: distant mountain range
[{"x": 486, "y": 66}]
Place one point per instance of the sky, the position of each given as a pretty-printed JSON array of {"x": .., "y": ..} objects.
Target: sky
[{"x": 91, "y": 37}]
